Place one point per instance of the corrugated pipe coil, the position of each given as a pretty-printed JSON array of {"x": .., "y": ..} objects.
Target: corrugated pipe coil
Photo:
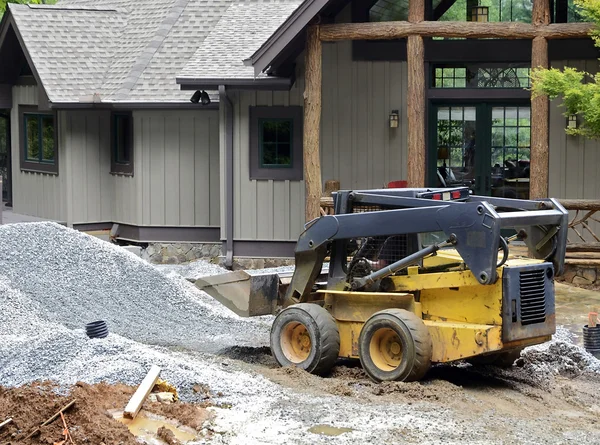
[
  {"x": 591, "y": 340},
  {"x": 96, "y": 329}
]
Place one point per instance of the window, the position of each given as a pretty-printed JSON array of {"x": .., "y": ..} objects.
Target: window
[
  {"x": 122, "y": 144},
  {"x": 276, "y": 136},
  {"x": 476, "y": 76},
  {"x": 276, "y": 143},
  {"x": 38, "y": 141}
]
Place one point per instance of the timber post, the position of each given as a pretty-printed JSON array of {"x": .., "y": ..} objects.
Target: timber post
[
  {"x": 540, "y": 109},
  {"x": 312, "y": 123},
  {"x": 415, "y": 59}
]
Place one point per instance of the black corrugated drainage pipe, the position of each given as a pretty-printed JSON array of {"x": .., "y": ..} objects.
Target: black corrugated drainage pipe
[
  {"x": 96, "y": 329},
  {"x": 224, "y": 99},
  {"x": 591, "y": 340}
]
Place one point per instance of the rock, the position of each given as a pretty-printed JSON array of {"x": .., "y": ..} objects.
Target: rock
[
  {"x": 136, "y": 250},
  {"x": 570, "y": 273},
  {"x": 578, "y": 281},
  {"x": 590, "y": 275}
]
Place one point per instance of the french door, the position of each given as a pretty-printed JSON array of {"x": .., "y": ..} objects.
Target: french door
[{"x": 485, "y": 146}]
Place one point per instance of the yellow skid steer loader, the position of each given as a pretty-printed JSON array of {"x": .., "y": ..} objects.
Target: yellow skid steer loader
[{"x": 414, "y": 277}]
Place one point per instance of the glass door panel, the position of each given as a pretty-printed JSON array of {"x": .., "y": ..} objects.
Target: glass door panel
[
  {"x": 510, "y": 152},
  {"x": 456, "y": 145}
]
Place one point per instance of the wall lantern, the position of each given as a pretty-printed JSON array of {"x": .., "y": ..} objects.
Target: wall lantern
[
  {"x": 572, "y": 122},
  {"x": 480, "y": 13},
  {"x": 394, "y": 119}
]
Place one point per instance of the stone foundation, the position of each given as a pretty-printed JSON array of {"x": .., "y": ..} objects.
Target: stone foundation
[
  {"x": 581, "y": 274},
  {"x": 171, "y": 253},
  {"x": 257, "y": 263}
]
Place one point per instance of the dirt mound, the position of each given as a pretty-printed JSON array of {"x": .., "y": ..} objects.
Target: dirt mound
[{"x": 88, "y": 421}]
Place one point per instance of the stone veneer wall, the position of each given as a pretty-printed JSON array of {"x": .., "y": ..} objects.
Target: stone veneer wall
[
  {"x": 581, "y": 274},
  {"x": 170, "y": 253}
]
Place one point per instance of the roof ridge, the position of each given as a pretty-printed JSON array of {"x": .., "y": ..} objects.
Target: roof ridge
[
  {"x": 154, "y": 44},
  {"x": 66, "y": 8}
]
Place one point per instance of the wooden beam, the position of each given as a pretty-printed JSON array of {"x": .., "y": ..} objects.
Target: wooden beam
[
  {"x": 472, "y": 30},
  {"x": 580, "y": 204},
  {"x": 540, "y": 15},
  {"x": 312, "y": 123},
  {"x": 416, "y": 111},
  {"x": 140, "y": 394},
  {"x": 583, "y": 247},
  {"x": 539, "y": 127},
  {"x": 416, "y": 11}
]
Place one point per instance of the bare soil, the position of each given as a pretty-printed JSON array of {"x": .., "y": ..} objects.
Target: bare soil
[{"x": 88, "y": 420}]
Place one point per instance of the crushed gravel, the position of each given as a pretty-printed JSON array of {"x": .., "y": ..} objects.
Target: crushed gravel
[{"x": 73, "y": 279}]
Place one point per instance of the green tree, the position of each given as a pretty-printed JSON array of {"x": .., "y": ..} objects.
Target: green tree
[{"x": 579, "y": 90}]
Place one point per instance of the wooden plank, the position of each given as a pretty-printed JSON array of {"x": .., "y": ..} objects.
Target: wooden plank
[
  {"x": 583, "y": 255},
  {"x": 539, "y": 127},
  {"x": 582, "y": 262},
  {"x": 472, "y": 30},
  {"x": 312, "y": 123},
  {"x": 416, "y": 111},
  {"x": 583, "y": 247},
  {"x": 135, "y": 403}
]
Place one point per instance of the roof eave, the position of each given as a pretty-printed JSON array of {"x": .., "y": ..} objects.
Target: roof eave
[
  {"x": 264, "y": 83},
  {"x": 295, "y": 23}
]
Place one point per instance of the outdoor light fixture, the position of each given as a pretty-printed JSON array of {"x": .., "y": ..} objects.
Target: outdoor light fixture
[
  {"x": 204, "y": 99},
  {"x": 572, "y": 122},
  {"x": 394, "y": 119},
  {"x": 200, "y": 97},
  {"x": 196, "y": 97},
  {"x": 480, "y": 13}
]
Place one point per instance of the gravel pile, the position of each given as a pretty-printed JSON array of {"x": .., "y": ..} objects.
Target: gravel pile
[
  {"x": 72, "y": 279},
  {"x": 192, "y": 271},
  {"x": 560, "y": 356}
]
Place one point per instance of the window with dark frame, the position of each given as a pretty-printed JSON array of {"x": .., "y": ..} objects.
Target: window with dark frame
[
  {"x": 38, "y": 140},
  {"x": 276, "y": 143},
  {"x": 122, "y": 144}
]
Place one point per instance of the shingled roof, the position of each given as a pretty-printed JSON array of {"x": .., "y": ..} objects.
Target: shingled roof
[
  {"x": 114, "y": 51},
  {"x": 239, "y": 33}
]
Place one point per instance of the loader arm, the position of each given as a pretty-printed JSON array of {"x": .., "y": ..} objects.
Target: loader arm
[{"x": 474, "y": 224}]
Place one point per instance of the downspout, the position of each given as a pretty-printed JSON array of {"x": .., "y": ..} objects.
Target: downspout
[{"x": 224, "y": 99}]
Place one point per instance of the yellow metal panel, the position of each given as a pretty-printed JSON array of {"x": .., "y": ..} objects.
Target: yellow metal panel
[
  {"x": 456, "y": 341},
  {"x": 359, "y": 306},
  {"x": 414, "y": 282},
  {"x": 349, "y": 333}
]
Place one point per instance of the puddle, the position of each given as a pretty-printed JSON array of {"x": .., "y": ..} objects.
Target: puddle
[
  {"x": 572, "y": 307},
  {"x": 328, "y": 430},
  {"x": 145, "y": 425}
]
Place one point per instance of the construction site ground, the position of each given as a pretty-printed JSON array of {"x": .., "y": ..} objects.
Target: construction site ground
[{"x": 54, "y": 280}]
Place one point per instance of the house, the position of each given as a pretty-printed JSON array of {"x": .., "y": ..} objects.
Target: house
[{"x": 104, "y": 132}]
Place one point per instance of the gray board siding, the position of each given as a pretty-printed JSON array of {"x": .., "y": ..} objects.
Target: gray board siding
[
  {"x": 574, "y": 170},
  {"x": 357, "y": 146},
  {"x": 176, "y": 170}
]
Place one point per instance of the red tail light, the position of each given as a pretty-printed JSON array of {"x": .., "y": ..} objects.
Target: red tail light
[
  {"x": 437, "y": 196},
  {"x": 456, "y": 194}
]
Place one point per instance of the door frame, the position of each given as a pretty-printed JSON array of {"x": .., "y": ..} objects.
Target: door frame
[
  {"x": 483, "y": 126},
  {"x": 5, "y": 114}
]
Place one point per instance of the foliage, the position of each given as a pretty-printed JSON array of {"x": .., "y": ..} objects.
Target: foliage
[{"x": 579, "y": 90}]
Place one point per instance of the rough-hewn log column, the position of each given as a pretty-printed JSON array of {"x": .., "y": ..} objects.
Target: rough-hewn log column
[
  {"x": 416, "y": 11},
  {"x": 471, "y": 30},
  {"x": 312, "y": 123},
  {"x": 416, "y": 111},
  {"x": 539, "y": 109}
]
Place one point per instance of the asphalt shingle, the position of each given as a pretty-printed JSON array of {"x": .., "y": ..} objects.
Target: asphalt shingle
[
  {"x": 133, "y": 50},
  {"x": 239, "y": 33}
]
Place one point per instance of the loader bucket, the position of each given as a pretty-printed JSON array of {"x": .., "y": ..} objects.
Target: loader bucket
[{"x": 246, "y": 295}]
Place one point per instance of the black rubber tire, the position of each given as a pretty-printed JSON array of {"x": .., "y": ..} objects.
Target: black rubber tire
[
  {"x": 416, "y": 345},
  {"x": 504, "y": 359},
  {"x": 322, "y": 330}
]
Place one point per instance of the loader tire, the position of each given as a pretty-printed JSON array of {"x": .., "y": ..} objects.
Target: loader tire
[
  {"x": 305, "y": 335},
  {"x": 395, "y": 344}
]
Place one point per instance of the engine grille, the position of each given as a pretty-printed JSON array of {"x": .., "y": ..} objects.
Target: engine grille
[{"x": 533, "y": 297}]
